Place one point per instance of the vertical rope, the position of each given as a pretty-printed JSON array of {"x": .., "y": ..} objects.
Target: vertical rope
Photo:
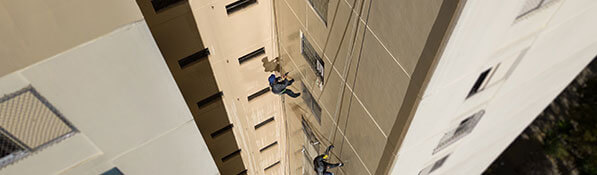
[{"x": 356, "y": 70}]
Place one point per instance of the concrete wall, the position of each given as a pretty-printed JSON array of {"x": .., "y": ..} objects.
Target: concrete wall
[
  {"x": 34, "y": 30},
  {"x": 118, "y": 92},
  {"x": 371, "y": 50},
  {"x": 559, "y": 41}
]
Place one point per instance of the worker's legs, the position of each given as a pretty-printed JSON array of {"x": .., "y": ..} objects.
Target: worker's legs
[{"x": 291, "y": 94}]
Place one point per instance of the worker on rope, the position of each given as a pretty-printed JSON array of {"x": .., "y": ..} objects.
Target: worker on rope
[
  {"x": 280, "y": 87},
  {"x": 321, "y": 166}
]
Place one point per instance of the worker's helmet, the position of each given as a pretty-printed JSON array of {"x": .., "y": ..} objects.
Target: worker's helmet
[
  {"x": 272, "y": 78},
  {"x": 325, "y": 156}
]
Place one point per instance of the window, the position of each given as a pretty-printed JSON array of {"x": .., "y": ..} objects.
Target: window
[
  {"x": 258, "y": 93},
  {"x": 321, "y": 8},
  {"x": 194, "y": 58},
  {"x": 312, "y": 58},
  {"x": 113, "y": 171},
  {"x": 161, "y": 4},
  {"x": 481, "y": 82},
  {"x": 29, "y": 123},
  {"x": 238, "y": 5},
  {"x": 429, "y": 169},
  {"x": 264, "y": 123},
  {"x": 465, "y": 127},
  {"x": 251, "y": 55},
  {"x": 311, "y": 138},
  {"x": 312, "y": 104},
  {"x": 533, "y": 5},
  {"x": 209, "y": 100}
]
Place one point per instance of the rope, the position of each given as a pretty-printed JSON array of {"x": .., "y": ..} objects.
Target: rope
[
  {"x": 354, "y": 81},
  {"x": 341, "y": 97}
]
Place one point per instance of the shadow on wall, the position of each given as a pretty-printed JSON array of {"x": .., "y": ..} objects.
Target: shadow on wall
[{"x": 270, "y": 66}]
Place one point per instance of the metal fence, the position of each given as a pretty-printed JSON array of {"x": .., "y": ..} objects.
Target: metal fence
[
  {"x": 28, "y": 123},
  {"x": 464, "y": 128}
]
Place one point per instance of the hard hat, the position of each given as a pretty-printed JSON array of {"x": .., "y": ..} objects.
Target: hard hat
[{"x": 325, "y": 156}]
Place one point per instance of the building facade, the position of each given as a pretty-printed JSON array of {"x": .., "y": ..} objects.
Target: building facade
[
  {"x": 180, "y": 86},
  {"x": 425, "y": 87},
  {"x": 85, "y": 90}
]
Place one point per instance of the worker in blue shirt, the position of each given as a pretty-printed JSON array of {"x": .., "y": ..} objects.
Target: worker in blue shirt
[{"x": 280, "y": 87}]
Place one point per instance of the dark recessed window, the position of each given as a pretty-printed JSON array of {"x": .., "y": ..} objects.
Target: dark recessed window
[
  {"x": 258, "y": 93},
  {"x": 311, "y": 138},
  {"x": 264, "y": 123},
  {"x": 438, "y": 164},
  {"x": 209, "y": 100},
  {"x": 268, "y": 146},
  {"x": 312, "y": 57},
  {"x": 227, "y": 128},
  {"x": 312, "y": 104},
  {"x": 231, "y": 155},
  {"x": 465, "y": 127},
  {"x": 113, "y": 171},
  {"x": 480, "y": 83},
  {"x": 194, "y": 58},
  {"x": 162, "y": 4},
  {"x": 238, "y": 5},
  {"x": 321, "y": 8},
  {"x": 251, "y": 55}
]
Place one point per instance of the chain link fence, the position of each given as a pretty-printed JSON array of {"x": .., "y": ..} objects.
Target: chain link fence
[{"x": 29, "y": 123}]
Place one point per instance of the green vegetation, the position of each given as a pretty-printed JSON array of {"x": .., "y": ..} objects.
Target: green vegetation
[{"x": 574, "y": 138}]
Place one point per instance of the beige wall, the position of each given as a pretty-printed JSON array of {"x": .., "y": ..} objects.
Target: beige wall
[
  {"x": 229, "y": 37},
  {"x": 118, "y": 92},
  {"x": 34, "y": 30},
  {"x": 364, "y": 86}
]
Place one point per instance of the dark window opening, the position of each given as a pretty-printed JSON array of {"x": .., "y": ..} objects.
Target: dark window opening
[
  {"x": 222, "y": 131},
  {"x": 312, "y": 104},
  {"x": 308, "y": 131},
  {"x": 162, "y": 4},
  {"x": 113, "y": 171},
  {"x": 231, "y": 155},
  {"x": 209, "y": 100},
  {"x": 202, "y": 54},
  {"x": 268, "y": 146},
  {"x": 478, "y": 84},
  {"x": 244, "y": 172},
  {"x": 264, "y": 122},
  {"x": 8, "y": 147},
  {"x": 253, "y": 54},
  {"x": 271, "y": 166},
  {"x": 257, "y": 94},
  {"x": 238, "y": 5}
]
